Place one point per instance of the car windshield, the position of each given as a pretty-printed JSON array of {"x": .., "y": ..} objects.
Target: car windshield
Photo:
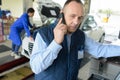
[{"x": 89, "y": 23}]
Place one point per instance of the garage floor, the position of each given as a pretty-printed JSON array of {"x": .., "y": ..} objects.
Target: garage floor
[{"x": 18, "y": 74}]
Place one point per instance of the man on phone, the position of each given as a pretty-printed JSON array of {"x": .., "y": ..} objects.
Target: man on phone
[{"x": 59, "y": 48}]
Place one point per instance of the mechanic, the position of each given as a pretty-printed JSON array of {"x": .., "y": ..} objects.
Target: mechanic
[
  {"x": 22, "y": 23},
  {"x": 59, "y": 48}
]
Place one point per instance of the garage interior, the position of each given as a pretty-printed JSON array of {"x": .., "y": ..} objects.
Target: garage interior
[{"x": 99, "y": 69}]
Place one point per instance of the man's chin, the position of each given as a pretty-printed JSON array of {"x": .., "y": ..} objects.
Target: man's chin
[{"x": 71, "y": 31}]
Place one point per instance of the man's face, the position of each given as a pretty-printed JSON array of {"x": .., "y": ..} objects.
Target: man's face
[
  {"x": 73, "y": 13},
  {"x": 31, "y": 14}
]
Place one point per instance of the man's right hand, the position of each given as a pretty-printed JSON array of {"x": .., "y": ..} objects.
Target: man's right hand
[{"x": 59, "y": 31}]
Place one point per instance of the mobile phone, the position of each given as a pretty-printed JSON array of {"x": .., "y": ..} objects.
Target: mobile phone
[{"x": 61, "y": 15}]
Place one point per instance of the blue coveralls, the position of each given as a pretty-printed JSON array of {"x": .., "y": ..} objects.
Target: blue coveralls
[{"x": 16, "y": 28}]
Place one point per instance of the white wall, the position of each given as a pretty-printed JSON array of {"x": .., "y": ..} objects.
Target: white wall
[
  {"x": 17, "y": 7},
  {"x": 61, "y": 2},
  {"x": 27, "y": 4}
]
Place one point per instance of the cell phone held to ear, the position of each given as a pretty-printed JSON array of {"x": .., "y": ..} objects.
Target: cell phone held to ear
[{"x": 61, "y": 15}]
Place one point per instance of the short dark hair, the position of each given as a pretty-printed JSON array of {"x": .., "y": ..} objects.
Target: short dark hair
[
  {"x": 30, "y": 10},
  {"x": 68, "y": 1}
]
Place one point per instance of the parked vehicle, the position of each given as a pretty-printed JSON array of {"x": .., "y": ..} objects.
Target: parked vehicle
[
  {"x": 92, "y": 29},
  {"x": 46, "y": 18}
]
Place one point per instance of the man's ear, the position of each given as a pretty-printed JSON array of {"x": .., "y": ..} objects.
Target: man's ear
[{"x": 61, "y": 11}]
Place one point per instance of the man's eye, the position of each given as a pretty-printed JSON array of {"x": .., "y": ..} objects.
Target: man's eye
[{"x": 80, "y": 18}]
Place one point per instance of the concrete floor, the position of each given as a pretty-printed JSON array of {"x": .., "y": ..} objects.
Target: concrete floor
[
  {"x": 18, "y": 73},
  {"x": 5, "y": 53}
]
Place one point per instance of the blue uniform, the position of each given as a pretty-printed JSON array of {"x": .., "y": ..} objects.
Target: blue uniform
[{"x": 16, "y": 28}]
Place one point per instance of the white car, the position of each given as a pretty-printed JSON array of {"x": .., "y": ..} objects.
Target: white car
[
  {"x": 48, "y": 11},
  {"x": 91, "y": 28}
]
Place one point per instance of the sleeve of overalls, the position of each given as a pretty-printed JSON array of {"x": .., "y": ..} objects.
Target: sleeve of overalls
[
  {"x": 29, "y": 23},
  {"x": 25, "y": 22}
]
